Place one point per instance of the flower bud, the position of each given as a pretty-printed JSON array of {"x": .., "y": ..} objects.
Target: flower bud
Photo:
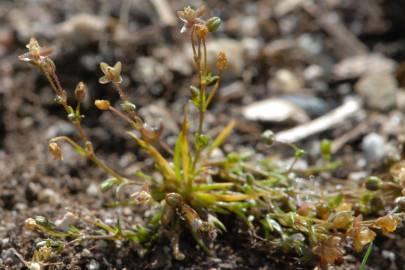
[
  {"x": 213, "y": 24},
  {"x": 373, "y": 183},
  {"x": 102, "y": 104},
  {"x": 128, "y": 106},
  {"x": 80, "y": 92},
  {"x": 55, "y": 150}
]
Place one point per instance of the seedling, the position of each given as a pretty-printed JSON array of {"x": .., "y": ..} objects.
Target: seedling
[{"x": 281, "y": 211}]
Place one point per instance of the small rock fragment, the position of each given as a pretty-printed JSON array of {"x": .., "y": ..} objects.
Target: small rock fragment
[
  {"x": 286, "y": 82},
  {"x": 48, "y": 195},
  {"x": 360, "y": 65},
  {"x": 93, "y": 265},
  {"x": 67, "y": 220},
  {"x": 232, "y": 91},
  {"x": 82, "y": 28},
  {"x": 275, "y": 110},
  {"x": 93, "y": 190},
  {"x": 378, "y": 91},
  {"x": 373, "y": 146},
  {"x": 313, "y": 106}
]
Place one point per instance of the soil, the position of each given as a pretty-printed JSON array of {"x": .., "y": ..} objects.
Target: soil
[{"x": 157, "y": 74}]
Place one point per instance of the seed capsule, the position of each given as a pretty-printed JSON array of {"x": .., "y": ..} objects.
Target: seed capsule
[
  {"x": 373, "y": 183},
  {"x": 174, "y": 200},
  {"x": 48, "y": 65},
  {"x": 213, "y": 24}
]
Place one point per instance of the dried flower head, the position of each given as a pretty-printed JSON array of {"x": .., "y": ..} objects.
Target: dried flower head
[
  {"x": 201, "y": 30},
  {"x": 111, "y": 74},
  {"x": 341, "y": 220},
  {"x": 329, "y": 251},
  {"x": 387, "y": 224},
  {"x": 361, "y": 235},
  {"x": 55, "y": 150},
  {"x": 222, "y": 61},
  {"x": 141, "y": 197},
  {"x": 190, "y": 17},
  {"x": 102, "y": 104}
]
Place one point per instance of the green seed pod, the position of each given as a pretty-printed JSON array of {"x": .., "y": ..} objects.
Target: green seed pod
[
  {"x": 299, "y": 153},
  {"x": 373, "y": 183},
  {"x": 128, "y": 106},
  {"x": 213, "y": 24},
  {"x": 42, "y": 221},
  {"x": 108, "y": 184},
  {"x": 202, "y": 141},
  {"x": 326, "y": 148}
]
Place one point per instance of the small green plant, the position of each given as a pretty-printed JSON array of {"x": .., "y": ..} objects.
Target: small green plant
[{"x": 193, "y": 190}]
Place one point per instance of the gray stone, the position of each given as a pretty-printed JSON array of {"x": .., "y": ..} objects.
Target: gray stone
[
  {"x": 275, "y": 110},
  {"x": 286, "y": 81},
  {"x": 93, "y": 265},
  {"x": 373, "y": 146},
  {"x": 378, "y": 91}
]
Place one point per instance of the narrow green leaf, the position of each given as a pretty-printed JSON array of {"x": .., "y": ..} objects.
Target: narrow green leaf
[
  {"x": 366, "y": 256},
  {"x": 221, "y": 137},
  {"x": 184, "y": 149},
  {"x": 176, "y": 160}
]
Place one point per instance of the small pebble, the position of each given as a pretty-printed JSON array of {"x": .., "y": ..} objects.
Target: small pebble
[
  {"x": 378, "y": 91},
  {"x": 93, "y": 265},
  {"x": 93, "y": 189},
  {"x": 373, "y": 146}
]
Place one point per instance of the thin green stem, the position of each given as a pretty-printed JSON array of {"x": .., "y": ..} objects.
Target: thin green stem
[{"x": 91, "y": 156}]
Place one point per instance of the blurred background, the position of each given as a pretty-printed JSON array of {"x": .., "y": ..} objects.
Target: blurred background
[{"x": 332, "y": 67}]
